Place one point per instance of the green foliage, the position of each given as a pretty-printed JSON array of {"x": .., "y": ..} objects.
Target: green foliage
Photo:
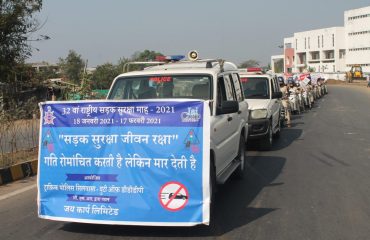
[
  {"x": 249, "y": 63},
  {"x": 104, "y": 75},
  {"x": 145, "y": 55},
  {"x": 72, "y": 67},
  {"x": 279, "y": 66},
  {"x": 121, "y": 64},
  {"x": 16, "y": 25}
]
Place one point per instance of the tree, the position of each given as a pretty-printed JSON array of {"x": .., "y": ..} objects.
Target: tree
[
  {"x": 104, "y": 75},
  {"x": 279, "y": 66},
  {"x": 145, "y": 55},
  {"x": 44, "y": 74},
  {"x": 249, "y": 63},
  {"x": 72, "y": 67},
  {"x": 16, "y": 25}
]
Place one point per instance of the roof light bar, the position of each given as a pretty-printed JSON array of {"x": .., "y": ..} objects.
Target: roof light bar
[
  {"x": 254, "y": 69},
  {"x": 169, "y": 58}
]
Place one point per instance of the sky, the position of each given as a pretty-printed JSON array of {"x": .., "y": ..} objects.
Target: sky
[{"x": 103, "y": 31}]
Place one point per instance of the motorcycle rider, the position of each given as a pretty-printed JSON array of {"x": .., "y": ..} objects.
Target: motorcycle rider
[
  {"x": 285, "y": 102},
  {"x": 293, "y": 98}
]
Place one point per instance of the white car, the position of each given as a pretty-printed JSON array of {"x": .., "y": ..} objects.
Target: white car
[
  {"x": 213, "y": 80},
  {"x": 263, "y": 94}
]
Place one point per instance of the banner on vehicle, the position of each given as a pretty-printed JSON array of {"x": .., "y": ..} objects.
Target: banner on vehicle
[{"x": 125, "y": 162}]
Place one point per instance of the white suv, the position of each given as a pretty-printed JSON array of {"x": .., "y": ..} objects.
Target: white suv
[
  {"x": 213, "y": 80},
  {"x": 263, "y": 94}
]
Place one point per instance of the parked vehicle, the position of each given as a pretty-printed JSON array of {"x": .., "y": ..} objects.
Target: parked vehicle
[
  {"x": 354, "y": 73},
  {"x": 263, "y": 94},
  {"x": 215, "y": 81}
]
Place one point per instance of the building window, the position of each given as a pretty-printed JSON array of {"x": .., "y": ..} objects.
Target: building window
[
  {"x": 332, "y": 36},
  {"x": 359, "y": 49},
  {"x": 358, "y": 17},
  {"x": 358, "y": 33},
  {"x": 329, "y": 54},
  {"x": 308, "y": 42},
  {"x": 342, "y": 53},
  {"x": 318, "y": 41},
  {"x": 315, "y": 55},
  {"x": 305, "y": 43},
  {"x": 322, "y": 40},
  {"x": 362, "y": 65},
  {"x": 296, "y": 44}
]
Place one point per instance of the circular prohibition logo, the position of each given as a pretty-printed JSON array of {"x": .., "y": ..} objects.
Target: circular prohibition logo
[{"x": 173, "y": 196}]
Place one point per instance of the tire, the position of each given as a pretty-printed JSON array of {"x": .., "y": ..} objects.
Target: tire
[
  {"x": 277, "y": 134},
  {"x": 240, "y": 171},
  {"x": 282, "y": 117},
  {"x": 282, "y": 122},
  {"x": 266, "y": 142}
]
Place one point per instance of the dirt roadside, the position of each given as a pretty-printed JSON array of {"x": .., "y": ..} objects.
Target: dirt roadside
[
  {"x": 354, "y": 83},
  {"x": 360, "y": 85}
]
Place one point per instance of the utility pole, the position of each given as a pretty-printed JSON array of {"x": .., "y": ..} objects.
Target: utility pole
[{"x": 84, "y": 74}]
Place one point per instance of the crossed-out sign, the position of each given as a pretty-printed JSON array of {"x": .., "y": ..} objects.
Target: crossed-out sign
[{"x": 173, "y": 196}]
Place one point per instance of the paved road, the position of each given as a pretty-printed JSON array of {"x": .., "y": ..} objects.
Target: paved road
[{"x": 315, "y": 184}]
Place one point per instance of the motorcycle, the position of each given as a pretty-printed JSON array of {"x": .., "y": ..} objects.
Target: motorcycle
[
  {"x": 300, "y": 101},
  {"x": 306, "y": 100},
  {"x": 293, "y": 101}
]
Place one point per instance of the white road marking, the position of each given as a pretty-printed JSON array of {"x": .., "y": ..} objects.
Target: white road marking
[{"x": 19, "y": 191}]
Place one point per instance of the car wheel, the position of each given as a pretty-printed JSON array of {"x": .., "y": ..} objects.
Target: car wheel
[
  {"x": 278, "y": 131},
  {"x": 240, "y": 171},
  {"x": 282, "y": 121},
  {"x": 266, "y": 142},
  {"x": 282, "y": 118}
]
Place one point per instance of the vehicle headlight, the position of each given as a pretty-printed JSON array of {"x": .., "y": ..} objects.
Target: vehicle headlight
[{"x": 259, "y": 114}]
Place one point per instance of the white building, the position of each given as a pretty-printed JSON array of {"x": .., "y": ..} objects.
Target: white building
[
  {"x": 333, "y": 49},
  {"x": 319, "y": 50},
  {"x": 357, "y": 37}
]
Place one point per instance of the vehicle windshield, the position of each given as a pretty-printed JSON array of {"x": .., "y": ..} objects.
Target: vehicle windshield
[
  {"x": 357, "y": 69},
  {"x": 255, "y": 87},
  {"x": 162, "y": 86}
]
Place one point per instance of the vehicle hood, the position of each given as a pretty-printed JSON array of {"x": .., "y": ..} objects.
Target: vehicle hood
[{"x": 258, "y": 103}]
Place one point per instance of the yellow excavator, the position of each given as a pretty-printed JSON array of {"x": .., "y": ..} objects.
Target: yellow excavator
[{"x": 355, "y": 73}]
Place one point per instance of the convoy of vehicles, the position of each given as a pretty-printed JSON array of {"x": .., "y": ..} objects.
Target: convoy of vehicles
[{"x": 244, "y": 105}]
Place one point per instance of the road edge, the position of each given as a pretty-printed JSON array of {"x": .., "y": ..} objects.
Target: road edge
[{"x": 18, "y": 171}]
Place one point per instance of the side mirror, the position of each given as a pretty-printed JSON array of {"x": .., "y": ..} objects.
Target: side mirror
[
  {"x": 228, "y": 107},
  {"x": 277, "y": 95}
]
